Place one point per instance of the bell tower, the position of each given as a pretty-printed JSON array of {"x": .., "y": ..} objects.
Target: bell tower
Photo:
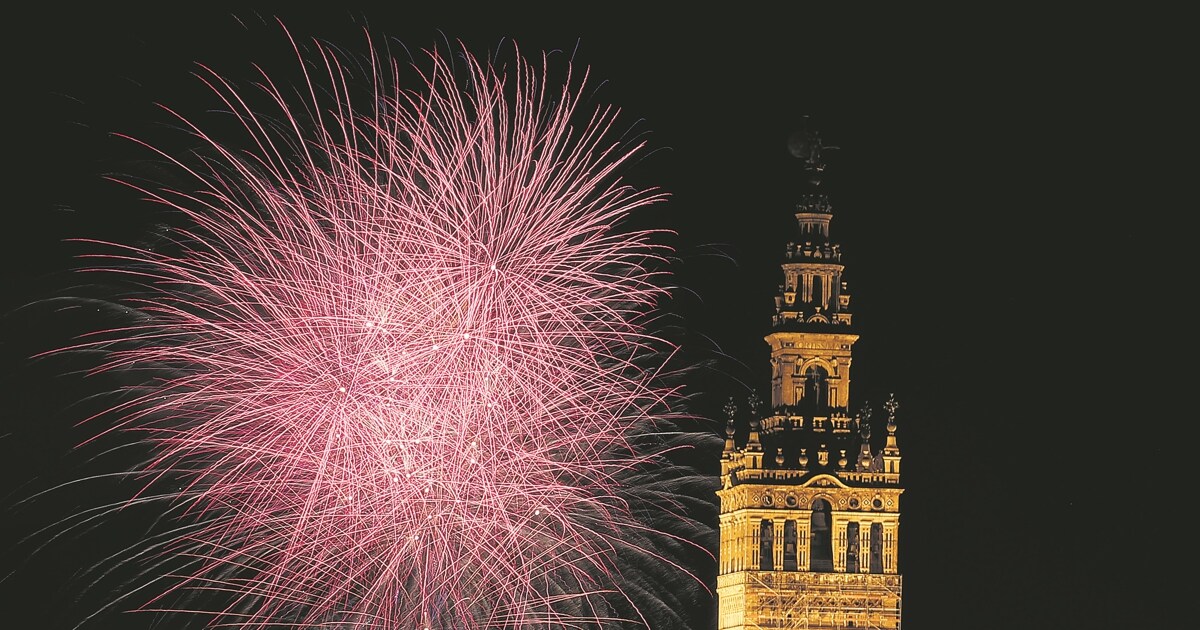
[{"x": 810, "y": 502}]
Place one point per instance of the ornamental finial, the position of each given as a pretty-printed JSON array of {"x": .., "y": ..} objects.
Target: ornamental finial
[
  {"x": 864, "y": 413},
  {"x": 891, "y": 406}
]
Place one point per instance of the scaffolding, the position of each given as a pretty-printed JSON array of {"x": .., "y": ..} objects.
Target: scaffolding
[{"x": 781, "y": 600}]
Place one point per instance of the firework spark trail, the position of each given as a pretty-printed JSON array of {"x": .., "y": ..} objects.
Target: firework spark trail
[{"x": 407, "y": 350}]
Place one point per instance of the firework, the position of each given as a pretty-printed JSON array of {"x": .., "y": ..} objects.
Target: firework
[{"x": 404, "y": 373}]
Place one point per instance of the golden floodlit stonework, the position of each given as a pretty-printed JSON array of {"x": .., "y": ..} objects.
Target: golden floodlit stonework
[{"x": 810, "y": 500}]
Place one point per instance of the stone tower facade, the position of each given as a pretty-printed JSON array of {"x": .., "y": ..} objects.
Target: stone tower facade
[{"x": 810, "y": 502}]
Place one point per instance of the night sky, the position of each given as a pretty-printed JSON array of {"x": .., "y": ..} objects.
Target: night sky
[{"x": 973, "y": 195}]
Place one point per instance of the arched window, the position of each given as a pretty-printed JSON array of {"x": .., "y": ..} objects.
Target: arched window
[
  {"x": 789, "y": 546},
  {"x": 766, "y": 546},
  {"x": 816, "y": 388},
  {"x": 876, "y": 547},
  {"x": 852, "y": 547},
  {"x": 821, "y": 558}
]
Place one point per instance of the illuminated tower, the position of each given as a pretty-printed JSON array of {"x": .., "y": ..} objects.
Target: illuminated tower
[{"x": 810, "y": 501}]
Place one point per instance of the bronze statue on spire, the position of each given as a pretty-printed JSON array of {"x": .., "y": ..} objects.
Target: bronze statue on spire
[{"x": 808, "y": 146}]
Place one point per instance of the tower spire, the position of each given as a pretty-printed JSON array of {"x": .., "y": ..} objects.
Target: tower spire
[{"x": 809, "y": 511}]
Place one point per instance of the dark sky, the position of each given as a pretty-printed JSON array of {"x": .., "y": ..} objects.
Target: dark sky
[{"x": 978, "y": 196}]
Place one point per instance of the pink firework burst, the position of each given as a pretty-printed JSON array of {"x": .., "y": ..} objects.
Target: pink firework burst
[{"x": 408, "y": 353}]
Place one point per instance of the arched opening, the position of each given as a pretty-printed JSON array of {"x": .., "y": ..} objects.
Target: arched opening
[
  {"x": 789, "y": 546},
  {"x": 816, "y": 388},
  {"x": 821, "y": 558},
  {"x": 766, "y": 546},
  {"x": 852, "y": 547},
  {"x": 876, "y": 547}
]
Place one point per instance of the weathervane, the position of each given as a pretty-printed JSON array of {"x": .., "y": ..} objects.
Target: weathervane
[{"x": 808, "y": 146}]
